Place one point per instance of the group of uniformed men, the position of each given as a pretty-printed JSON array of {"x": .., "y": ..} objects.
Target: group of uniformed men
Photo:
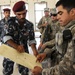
[
  {"x": 17, "y": 32},
  {"x": 56, "y": 51}
]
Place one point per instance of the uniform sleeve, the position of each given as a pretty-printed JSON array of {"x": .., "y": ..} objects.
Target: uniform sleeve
[
  {"x": 31, "y": 35},
  {"x": 6, "y": 38},
  {"x": 42, "y": 36},
  {"x": 49, "y": 51},
  {"x": 51, "y": 71},
  {"x": 63, "y": 68},
  {"x": 50, "y": 43}
]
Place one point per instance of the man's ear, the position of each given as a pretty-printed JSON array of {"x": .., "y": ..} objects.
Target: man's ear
[{"x": 72, "y": 12}]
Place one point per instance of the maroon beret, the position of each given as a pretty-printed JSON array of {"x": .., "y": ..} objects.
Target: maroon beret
[
  {"x": 19, "y": 6},
  {"x": 6, "y": 9}
]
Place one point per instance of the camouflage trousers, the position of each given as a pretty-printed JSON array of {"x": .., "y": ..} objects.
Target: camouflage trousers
[
  {"x": 60, "y": 69},
  {"x": 51, "y": 60},
  {"x": 8, "y": 68},
  {"x": 46, "y": 63}
]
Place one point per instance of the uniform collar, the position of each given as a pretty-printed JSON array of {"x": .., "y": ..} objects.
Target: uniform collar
[{"x": 71, "y": 23}]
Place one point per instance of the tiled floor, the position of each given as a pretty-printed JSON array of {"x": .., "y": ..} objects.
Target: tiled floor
[{"x": 15, "y": 72}]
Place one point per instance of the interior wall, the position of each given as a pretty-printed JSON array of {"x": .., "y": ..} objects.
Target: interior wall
[{"x": 50, "y": 4}]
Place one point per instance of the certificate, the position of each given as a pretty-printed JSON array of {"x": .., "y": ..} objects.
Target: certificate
[{"x": 24, "y": 59}]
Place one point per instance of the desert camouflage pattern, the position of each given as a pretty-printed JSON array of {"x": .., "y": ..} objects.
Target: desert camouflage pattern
[
  {"x": 67, "y": 65},
  {"x": 42, "y": 21}
]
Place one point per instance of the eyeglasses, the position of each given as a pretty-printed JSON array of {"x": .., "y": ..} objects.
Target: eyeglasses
[{"x": 53, "y": 14}]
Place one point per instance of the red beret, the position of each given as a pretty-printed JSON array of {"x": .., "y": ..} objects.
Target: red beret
[
  {"x": 19, "y": 6},
  {"x": 6, "y": 9}
]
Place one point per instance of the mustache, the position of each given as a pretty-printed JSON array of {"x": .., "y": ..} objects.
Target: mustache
[{"x": 22, "y": 19}]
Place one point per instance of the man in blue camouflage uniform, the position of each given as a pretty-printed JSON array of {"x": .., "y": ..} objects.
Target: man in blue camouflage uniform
[
  {"x": 20, "y": 34},
  {"x": 66, "y": 44},
  {"x": 3, "y": 22}
]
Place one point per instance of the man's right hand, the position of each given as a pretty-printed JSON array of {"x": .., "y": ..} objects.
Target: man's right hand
[
  {"x": 41, "y": 57},
  {"x": 20, "y": 48},
  {"x": 37, "y": 70},
  {"x": 45, "y": 24}
]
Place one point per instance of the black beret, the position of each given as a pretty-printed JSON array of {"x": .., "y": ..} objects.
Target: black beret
[
  {"x": 6, "y": 9},
  {"x": 19, "y": 6}
]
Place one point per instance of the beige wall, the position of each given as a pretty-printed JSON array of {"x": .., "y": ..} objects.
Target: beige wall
[{"x": 50, "y": 4}]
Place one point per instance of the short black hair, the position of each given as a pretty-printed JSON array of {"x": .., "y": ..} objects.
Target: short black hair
[{"x": 67, "y": 4}]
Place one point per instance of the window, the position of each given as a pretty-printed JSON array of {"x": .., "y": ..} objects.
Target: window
[{"x": 39, "y": 12}]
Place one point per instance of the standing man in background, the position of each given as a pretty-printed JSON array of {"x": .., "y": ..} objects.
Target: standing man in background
[
  {"x": 48, "y": 40},
  {"x": 20, "y": 34},
  {"x": 50, "y": 31},
  {"x": 44, "y": 21},
  {"x": 3, "y": 22}
]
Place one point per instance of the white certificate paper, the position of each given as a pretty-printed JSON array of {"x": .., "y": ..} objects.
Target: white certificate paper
[{"x": 24, "y": 59}]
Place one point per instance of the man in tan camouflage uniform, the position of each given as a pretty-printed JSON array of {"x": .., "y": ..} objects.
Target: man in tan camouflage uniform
[
  {"x": 48, "y": 38},
  {"x": 50, "y": 31},
  {"x": 66, "y": 16},
  {"x": 44, "y": 21}
]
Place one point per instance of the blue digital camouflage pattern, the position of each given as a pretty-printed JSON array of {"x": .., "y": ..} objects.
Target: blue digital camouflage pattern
[{"x": 21, "y": 34}]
